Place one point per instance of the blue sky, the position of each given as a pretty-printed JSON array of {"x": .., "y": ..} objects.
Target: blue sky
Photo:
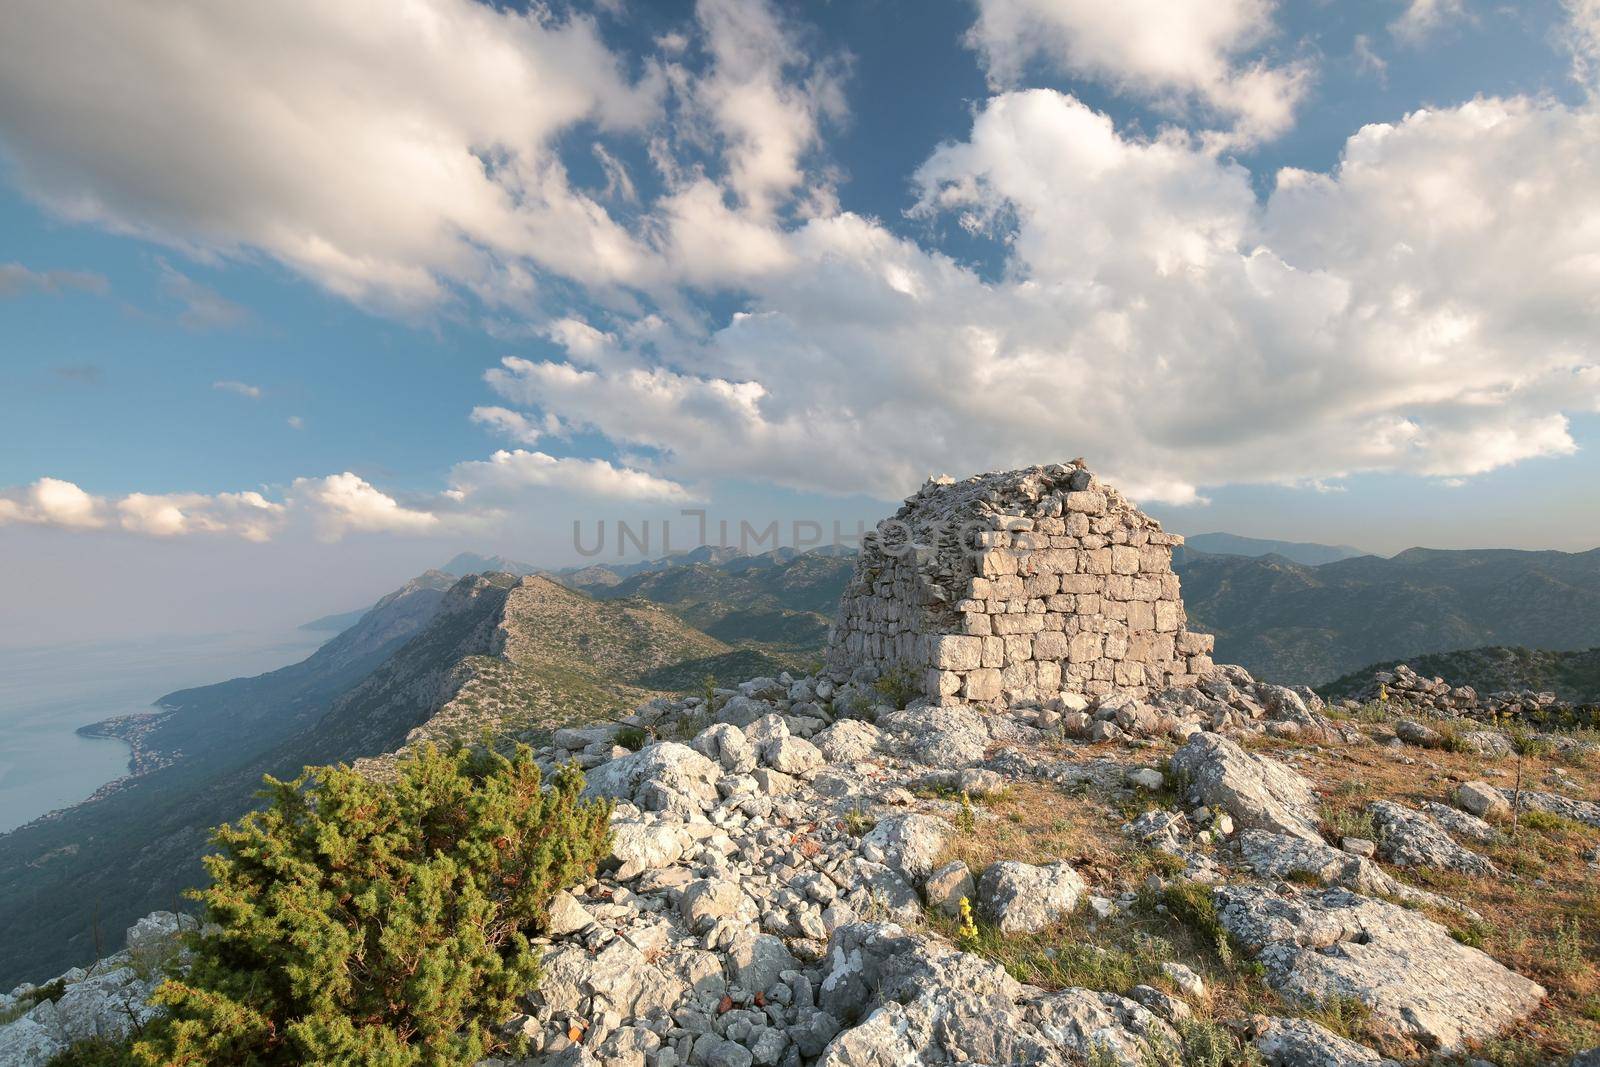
[{"x": 1312, "y": 270}]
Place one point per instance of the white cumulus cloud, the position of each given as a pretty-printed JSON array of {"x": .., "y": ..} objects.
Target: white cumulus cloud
[
  {"x": 51, "y": 502},
  {"x": 1426, "y": 308},
  {"x": 384, "y": 148},
  {"x": 509, "y": 474},
  {"x": 1176, "y": 53}
]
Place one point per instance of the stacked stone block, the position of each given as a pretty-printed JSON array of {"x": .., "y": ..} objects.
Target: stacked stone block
[{"x": 1021, "y": 585}]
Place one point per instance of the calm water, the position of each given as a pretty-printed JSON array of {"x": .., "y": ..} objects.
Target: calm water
[{"x": 47, "y": 693}]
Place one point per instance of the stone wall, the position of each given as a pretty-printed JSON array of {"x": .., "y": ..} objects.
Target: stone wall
[{"x": 1020, "y": 585}]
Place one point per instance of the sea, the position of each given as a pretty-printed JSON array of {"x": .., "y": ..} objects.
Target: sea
[{"x": 47, "y": 692}]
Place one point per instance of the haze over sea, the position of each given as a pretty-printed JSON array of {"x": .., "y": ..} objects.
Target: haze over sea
[{"x": 47, "y": 692}]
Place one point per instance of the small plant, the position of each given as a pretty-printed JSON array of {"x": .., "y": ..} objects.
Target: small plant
[
  {"x": 966, "y": 819},
  {"x": 1203, "y": 1043},
  {"x": 967, "y": 932},
  {"x": 898, "y": 685},
  {"x": 1565, "y": 943},
  {"x": 1345, "y": 1016},
  {"x": 632, "y": 738},
  {"x": 857, "y": 823},
  {"x": 1190, "y": 904},
  {"x": 1472, "y": 933},
  {"x": 95, "y": 1052}
]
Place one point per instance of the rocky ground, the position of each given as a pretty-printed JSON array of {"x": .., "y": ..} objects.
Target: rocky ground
[{"x": 1227, "y": 873}]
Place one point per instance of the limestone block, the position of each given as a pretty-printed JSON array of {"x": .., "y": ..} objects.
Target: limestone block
[
  {"x": 1019, "y": 647},
  {"x": 983, "y": 684},
  {"x": 1049, "y": 674},
  {"x": 1124, "y": 560},
  {"x": 1154, "y": 559},
  {"x": 977, "y": 624},
  {"x": 954, "y": 652},
  {"x": 1097, "y": 561},
  {"x": 1050, "y": 645},
  {"x": 1052, "y": 561},
  {"x": 1118, "y": 586},
  {"x": 1193, "y": 644},
  {"x": 1141, "y": 616},
  {"x": 1084, "y": 648},
  {"x": 1006, "y": 587},
  {"x": 1169, "y": 616},
  {"x": 1021, "y": 623},
  {"x": 1041, "y": 585},
  {"x": 994, "y": 651},
  {"x": 1082, "y": 583},
  {"x": 1018, "y": 679},
  {"x": 996, "y": 562},
  {"x": 1088, "y": 502}
]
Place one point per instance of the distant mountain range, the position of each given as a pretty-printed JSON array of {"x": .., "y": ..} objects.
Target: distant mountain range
[
  {"x": 1572, "y": 676},
  {"x": 1227, "y": 544},
  {"x": 1293, "y": 623}
]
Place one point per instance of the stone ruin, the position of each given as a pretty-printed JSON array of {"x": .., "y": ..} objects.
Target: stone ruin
[{"x": 1018, "y": 586}]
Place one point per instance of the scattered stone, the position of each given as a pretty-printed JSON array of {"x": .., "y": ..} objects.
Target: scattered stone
[
  {"x": 1303, "y": 1043},
  {"x": 1021, "y": 898},
  {"x": 1359, "y": 846},
  {"x": 847, "y": 741},
  {"x": 1147, "y": 778},
  {"x": 946, "y": 887},
  {"x": 1188, "y": 982},
  {"x": 666, "y": 776},
  {"x": 910, "y": 843},
  {"x": 1482, "y": 800},
  {"x": 1260, "y": 793}
]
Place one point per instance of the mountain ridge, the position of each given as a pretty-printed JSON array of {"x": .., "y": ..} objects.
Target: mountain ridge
[
  {"x": 1301, "y": 624},
  {"x": 479, "y": 656}
]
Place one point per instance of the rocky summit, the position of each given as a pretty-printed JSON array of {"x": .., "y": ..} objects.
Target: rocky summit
[{"x": 1196, "y": 866}]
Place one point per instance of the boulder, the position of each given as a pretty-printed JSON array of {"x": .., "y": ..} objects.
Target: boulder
[
  {"x": 1259, "y": 793},
  {"x": 946, "y": 887},
  {"x": 32, "y": 1040},
  {"x": 792, "y": 756},
  {"x": 667, "y": 776},
  {"x": 1019, "y": 898},
  {"x": 921, "y": 1001},
  {"x": 1303, "y": 1043},
  {"x": 638, "y": 846},
  {"x": 1482, "y": 800},
  {"x": 756, "y": 960},
  {"x": 1281, "y": 857},
  {"x": 847, "y": 741},
  {"x": 910, "y": 843},
  {"x": 1420, "y": 983},
  {"x": 707, "y": 901},
  {"x": 1410, "y": 838},
  {"x": 728, "y": 745}
]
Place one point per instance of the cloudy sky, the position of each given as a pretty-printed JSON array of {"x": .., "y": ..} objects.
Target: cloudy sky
[{"x": 297, "y": 298}]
